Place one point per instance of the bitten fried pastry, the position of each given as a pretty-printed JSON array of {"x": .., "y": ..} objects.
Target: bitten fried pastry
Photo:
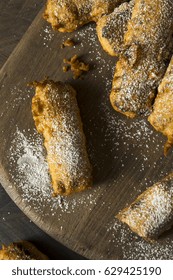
[
  {"x": 162, "y": 116},
  {"x": 68, "y": 15},
  {"x": 152, "y": 212},
  {"x": 57, "y": 118},
  {"x": 111, "y": 28},
  {"x": 148, "y": 48},
  {"x": 22, "y": 250}
]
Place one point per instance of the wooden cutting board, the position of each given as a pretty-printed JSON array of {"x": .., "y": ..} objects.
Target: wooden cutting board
[{"x": 126, "y": 155}]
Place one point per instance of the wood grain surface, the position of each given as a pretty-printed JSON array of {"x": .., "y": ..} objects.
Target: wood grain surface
[
  {"x": 15, "y": 18},
  {"x": 127, "y": 155}
]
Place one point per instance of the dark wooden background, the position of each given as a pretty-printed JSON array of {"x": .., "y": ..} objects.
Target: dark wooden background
[{"x": 15, "y": 17}]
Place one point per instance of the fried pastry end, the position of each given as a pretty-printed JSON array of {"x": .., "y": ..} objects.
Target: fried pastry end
[
  {"x": 22, "y": 250},
  {"x": 152, "y": 212}
]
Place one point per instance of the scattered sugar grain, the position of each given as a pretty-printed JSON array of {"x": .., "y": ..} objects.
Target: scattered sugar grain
[
  {"x": 48, "y": 35},
  {"x": 134, "y": 247}
]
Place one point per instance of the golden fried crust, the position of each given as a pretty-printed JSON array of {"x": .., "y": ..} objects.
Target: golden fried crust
[
  {"x": 57, "y": 118},
  {"x": 23, "y": 250},
  {"x": 162, "y": 116},
  {"x": 111, "y": 28},
  {"x": 68, "y": 15},
  {"x": 152, "y": 212},
  {"x": 148, "y": 48}
]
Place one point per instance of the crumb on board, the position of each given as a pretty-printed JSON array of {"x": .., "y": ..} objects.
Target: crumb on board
[
  {"x": 68, "y": 43},
  {"x": 65, "y": 68},
  {"x": 76, "y": 66}
]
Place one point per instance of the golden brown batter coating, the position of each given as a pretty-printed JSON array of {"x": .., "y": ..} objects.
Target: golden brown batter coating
[
  {"x": 57, "y": 117},
  {"x": 68, "y": 15},
  {"x": 162, "y": 116},
  {"x": 68, "y": 43},
  {"x": 148, "y": 43},
  {"x": 77, "y": 66},
  {"x": 23, "y": 250},
  {"x": 111, "y": 28},
  {"x": 152, "y": 212}
]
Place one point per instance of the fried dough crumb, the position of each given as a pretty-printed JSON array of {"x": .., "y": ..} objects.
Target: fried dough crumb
[
  {"x": 68, "y": 43},
  {"x": 65, "y": 69},
  {"x": 76, "y": 66}
]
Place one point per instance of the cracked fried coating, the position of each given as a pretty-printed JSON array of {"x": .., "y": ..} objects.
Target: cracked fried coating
[
  {"x": 57, "y": 118},
  {"x": 68, "y": 15},
  {"x": 162, "y": 116},
  {"x": 111, "y": 28},
  {"x": 152, "y": 212},
  {"x": 148, "y": 48},
  {"x": 22, "y": 250}
]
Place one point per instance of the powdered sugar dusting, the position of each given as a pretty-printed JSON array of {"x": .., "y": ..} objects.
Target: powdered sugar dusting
[
  {"x": 151, "y": 213},
  {"x": 19, "y": 95},
  {"x": 48, "y": 35},
  {"x": 148, "y": 47},
  {"x": 60, "y": 123},
  {"x": 111, "y": 28},
  {"x": 133, "y": 247},
  {"x": 58, "y": 13},
  {"x": 29, "y": 172},
  {"x": 100, "y": 63},
  {"x": 162, "y": 115},
  {"x": 133, "y": 135}
]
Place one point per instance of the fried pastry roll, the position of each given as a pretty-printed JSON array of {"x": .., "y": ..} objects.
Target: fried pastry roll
[
  {"x": 68, "y": 15},
  {"x": 152, "y": 212},
  {"x": 111, "y": 28},
  {"x": 57, "y": 118},
  {"x": 148, "y": 48},
  {"x": 22, "y": 250},
  {"x": 162, "y": 116}
]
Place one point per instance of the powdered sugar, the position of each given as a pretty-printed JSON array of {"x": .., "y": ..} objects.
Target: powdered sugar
[
  {"x": 151, "y": 213},
  {"x": 29, "y": 172},
  {"x": 148, "y": 44},
  {"x": 111, "y": 28},
  {"x": 161, "y": 117},
  {"x": 133, "y": 135},
  {"x": 67, "y": 16},
  {"x": 88, "y": 37},
  {"x": 48, "y": 35},
  {"x": 133, "y": 247},
  {"x": 60, "y": 123}
]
